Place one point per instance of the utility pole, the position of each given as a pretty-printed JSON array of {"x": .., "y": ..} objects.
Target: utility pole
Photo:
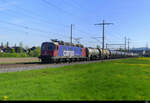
[
  {"x": 2, "y": 44},
  {"x": 147, "y": 45},
  {"x": 71, "y": 35},
  {"x": 128, "y": 44},
  {"x": 125, "y": 43},
  {"x": 106, "y": 45},
  {"x": 103, "y": 36}
]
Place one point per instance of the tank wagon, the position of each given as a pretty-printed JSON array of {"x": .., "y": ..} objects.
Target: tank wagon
[
  {"x": 93, "y": 53},
  {"x": 59, "y": 51},
  {"x": 106, "y": 53}
]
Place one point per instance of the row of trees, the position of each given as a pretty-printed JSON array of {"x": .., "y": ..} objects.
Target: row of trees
[
  {"x": 19, "y": 51},
  {"x": 31, "y": 53}
]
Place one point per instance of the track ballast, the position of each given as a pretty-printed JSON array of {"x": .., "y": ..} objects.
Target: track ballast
[{"x": 32, "y": 66}]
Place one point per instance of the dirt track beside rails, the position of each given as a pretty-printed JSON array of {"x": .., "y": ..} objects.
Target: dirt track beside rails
[{"x": 18, "y": 60}]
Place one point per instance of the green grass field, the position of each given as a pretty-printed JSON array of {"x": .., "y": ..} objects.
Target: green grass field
[{"x": 127, "y": 79}]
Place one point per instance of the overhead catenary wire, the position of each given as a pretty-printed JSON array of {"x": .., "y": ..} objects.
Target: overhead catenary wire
[
  {"x": 38, "y": 29},
  {"x": 87, "y": 34},
  {"x": 30, "y": 28},
  {"x": 57, "y": 7},
  {"x": 36, "y": 17},
  {"x": 111, "y": 38},
  {"x": 71, "y": 4},
  {"x": 25, "y": 27},
  {"x": 78, "y": 4},
  {"x": 26, "y": 32},
  {"x": 33, "y": 18}
]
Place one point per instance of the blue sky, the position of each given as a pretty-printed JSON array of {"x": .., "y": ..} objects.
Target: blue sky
[{"x": 35, "y": 21}]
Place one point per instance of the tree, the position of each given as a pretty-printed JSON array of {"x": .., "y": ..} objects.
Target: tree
[
  {"x": 36, "y": 52},
  {"x": 21, "y": 45},
  {"x": 98, "y": 46},
  {"x": 21, "y": 50},
  {"x": 7, "y": 44},
  {"x": 12, "y": 50}
]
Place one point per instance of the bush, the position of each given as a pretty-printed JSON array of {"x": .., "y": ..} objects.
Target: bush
[
  {"x": 35, "y": 53},
  {"x": 12, "y": 50}
]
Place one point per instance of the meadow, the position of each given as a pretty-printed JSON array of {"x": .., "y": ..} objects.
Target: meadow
[{"x": 127, "y": 79}]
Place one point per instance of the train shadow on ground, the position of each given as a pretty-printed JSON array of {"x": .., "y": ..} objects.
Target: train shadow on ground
[
  {"x": 26, "y": 63},
  {"x": 30, "y": 63}
]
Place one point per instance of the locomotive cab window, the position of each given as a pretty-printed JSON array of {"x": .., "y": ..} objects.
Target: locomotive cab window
[{"x": 48, "y": 46}]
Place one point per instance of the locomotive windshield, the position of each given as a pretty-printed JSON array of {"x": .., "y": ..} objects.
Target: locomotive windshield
[{"x": 48, "y": 46}]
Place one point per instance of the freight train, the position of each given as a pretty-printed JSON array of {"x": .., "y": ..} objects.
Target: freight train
[{"x": 59, "y": 51}]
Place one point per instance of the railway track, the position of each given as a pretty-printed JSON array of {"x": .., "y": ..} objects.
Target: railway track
[{"x": 31, "y": 66}]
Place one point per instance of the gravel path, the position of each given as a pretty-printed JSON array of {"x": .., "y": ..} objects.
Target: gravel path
[{"x": 21, "y": 67}]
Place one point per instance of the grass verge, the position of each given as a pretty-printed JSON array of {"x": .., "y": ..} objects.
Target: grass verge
[{"x": 127, "y": 79}]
